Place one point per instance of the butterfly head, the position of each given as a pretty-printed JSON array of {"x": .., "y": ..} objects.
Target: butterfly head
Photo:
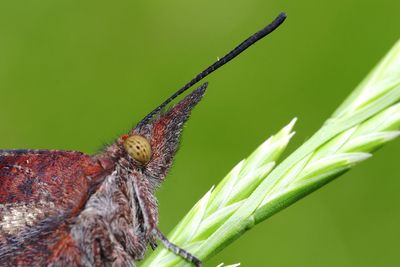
[
  {"x": 138, "y": 148},
  {"x": 151, "y": 146}
]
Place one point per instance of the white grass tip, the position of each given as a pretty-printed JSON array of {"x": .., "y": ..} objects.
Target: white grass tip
[
  {"x": 232, "y": 265},
  {"x": 288, "y": 128}
]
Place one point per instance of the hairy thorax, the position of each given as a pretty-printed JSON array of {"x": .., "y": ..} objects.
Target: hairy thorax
[{"x": 109, "y": 231}]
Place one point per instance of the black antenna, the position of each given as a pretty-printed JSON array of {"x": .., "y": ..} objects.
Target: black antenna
[{"x": 228, "y": 57}]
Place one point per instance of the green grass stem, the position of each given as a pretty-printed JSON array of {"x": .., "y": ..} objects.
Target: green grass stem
[{"x": 258, "y": 187}]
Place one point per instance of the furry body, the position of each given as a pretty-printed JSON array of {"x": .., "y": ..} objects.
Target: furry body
[{"x": 61, "y": 208}]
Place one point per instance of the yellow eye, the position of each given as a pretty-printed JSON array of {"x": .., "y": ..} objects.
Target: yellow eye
[{"x": 138, "y": 148}]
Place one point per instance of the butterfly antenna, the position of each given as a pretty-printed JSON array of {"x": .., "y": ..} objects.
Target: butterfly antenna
[{"x": 219, "y": 63}]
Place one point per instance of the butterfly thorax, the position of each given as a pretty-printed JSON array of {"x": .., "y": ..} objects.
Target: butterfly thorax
[{"x": 81, "y": 210}]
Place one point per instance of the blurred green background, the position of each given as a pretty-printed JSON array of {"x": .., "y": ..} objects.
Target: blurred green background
[{"x": 76, "y": 74}]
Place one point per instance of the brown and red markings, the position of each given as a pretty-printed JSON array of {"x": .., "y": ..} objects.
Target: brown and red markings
[
  {"x": 55, "y": 176},
  {"x": 45, "y": 198},
  {"x": 41, "y": 192}
]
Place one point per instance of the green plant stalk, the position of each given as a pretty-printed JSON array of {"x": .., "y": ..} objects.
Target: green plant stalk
[{"x": 255, "y": 189}]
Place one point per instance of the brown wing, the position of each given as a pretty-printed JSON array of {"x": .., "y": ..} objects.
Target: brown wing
[{"x": 40, "y": 192}]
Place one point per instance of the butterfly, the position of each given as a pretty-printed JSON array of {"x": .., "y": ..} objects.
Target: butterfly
[{"x": 67, "y": 208}]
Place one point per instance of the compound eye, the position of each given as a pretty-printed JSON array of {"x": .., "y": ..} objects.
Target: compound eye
[{"x": 138, "y": 148}]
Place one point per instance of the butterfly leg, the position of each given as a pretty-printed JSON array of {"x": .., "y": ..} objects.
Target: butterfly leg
[
  {"x": 147, "y": 203},
  {"x": 148, "y": 206},
  {"x": 177, "y": 250}
]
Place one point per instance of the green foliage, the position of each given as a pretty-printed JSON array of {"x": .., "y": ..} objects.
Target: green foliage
[
  {"x": 256, "y": 188},
  {"x": 74, "y": 75}
]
